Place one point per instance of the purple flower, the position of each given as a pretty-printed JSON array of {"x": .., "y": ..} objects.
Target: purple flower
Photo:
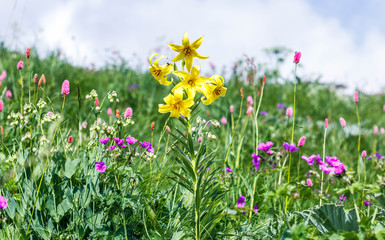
[
  {"x": 241, "y": 201},
  {"x": 116, "y": 139},
  {"x": 112, "y": 147},
  {"x": 229, "y": 169},
  {"x": 255, "y": 209},
  {"x": 3, "y": 202},
  {"x": 367, "y": 203},
  {"x": 264, "y": 113},
  {"x": 279, "y": 105},
  {"x": 124, "y": 146},
  {"x": 290, "y": 147},
  {"x": 379, "y": 156},
  {"x": 145, "y": 144},
  {"x": 326, "y": 169},
  {"x": 269, "y": 152},
  {"x": 342, "y": 197},
  {"x": 120, "y": 142},
  {"x": 150, "y": 149},
  {"x": 131, "y": 140},
  {"x": 256, "y": 161},
  {"x": 100, "y": 167},
  {"x": 310, "y": 160},
  {"x": 265, "y": 146},
  {"x": 104, "y": 140}
]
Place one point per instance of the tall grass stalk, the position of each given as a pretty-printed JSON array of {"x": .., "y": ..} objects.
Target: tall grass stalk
[
  {"x": 323, "y": 160},
  {"x": 358, "y": 145}
]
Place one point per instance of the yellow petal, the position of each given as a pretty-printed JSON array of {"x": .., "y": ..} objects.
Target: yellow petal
[
  {"x": 223, "y": 92},
  {"x": 185, "y": 41},
  {"x": 178, "y": 95},
  {"x": 156, "y": 63},
  {"x": 169, "y": 99},
  {"x": 195, "y": 71},
  {"x": 150, "y": 59},
  {"x": 195, "y": 54},
  {"x": 189, "y": 62},
  {"x": 176, "y": 48},
  {"x": 196, "y": 43},
  {"x": 179, "y": 57},
  {"x": 185, "y": 112},
  {"x": 165, "y": 108},
  {"x": 182, "y": 74},
  {"x": 174, "y": 113}
]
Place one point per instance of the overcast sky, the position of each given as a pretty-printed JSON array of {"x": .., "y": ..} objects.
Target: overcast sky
[{"x": 342, "y": 41}]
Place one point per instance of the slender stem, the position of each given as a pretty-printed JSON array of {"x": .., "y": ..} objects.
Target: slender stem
[
  {"x": 323, "y": 160},
  {"x": 359, "y": 141}
]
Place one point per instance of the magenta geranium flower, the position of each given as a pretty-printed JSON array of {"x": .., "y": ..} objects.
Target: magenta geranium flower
[
  {"x": 256, "y": 161},
  {"x": 255, "y": 208},
  {"x": 265, "y": 146},
  {"x": 241, "y": 201},
  {"x": 290, "y": 147},
  {"x": 104, "y": 140},
  {"x": 229, "y": 170},
  {"x": 310, "y": 160},
  {"x": 100, "y": 167},
  {"x": 342, "y": 197},
  {"x": 112, "y": 147},
  {"x": 3, "y": 202},
  {"x": 131, "y": 140}
]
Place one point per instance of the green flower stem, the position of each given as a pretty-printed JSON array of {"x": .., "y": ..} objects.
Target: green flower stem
[
  {"x": 359, "y": 141},
  {"x": 323, "y": 160},
  {"x": 256, "y": 144},
  {"x": 45, "y": 168}
]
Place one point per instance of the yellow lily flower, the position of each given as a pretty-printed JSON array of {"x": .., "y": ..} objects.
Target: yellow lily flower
[
  {"x": 187, "y": 51},
  {"x": 190, "y": 81},
  {"x": 160, "y": 72},
  {"x": 213, "y": 90},
  {"x": 176, "y": 105}
]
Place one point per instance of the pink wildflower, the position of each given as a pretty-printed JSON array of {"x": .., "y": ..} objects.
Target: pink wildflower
[
  {"x": 4, "y": 75},
  {"x": 309, "y": 182},
  {"x": 28, "y": 52},
  {"x": 375, "y": 130},
  {"x": 65, "y": 88},
  {"x": 8, "y": 94},
  {"x": 41, "y": 80},
  {"x": 168, "y": 129},
  {"x": 35, "y": 78},
  {"x": 117, "y": 114},
  {"x": 297, "y": 57},
  {"x": 364, "y": 154},
  {"x": 249, "y": 111},
  {"x": 232, "y": 108},
  {"x": 100, "y": 167},
  {"x": 289, "y": 112},
  {"x": 250, "y": 100},
  {"x": 84, "y": 125},
  {"x": 383, "y": 108},
  {"x": 356, "y": 96},
  {"x": 223, "y": 120},
  {"x": 109, "y": 111},
  {"x": 301, "y": 141},
  {"x": 96, "y": 101},
  {"x": 200, "y": 139},
  {"x": 1, "y": 105},
  {"x": 3, "y": 202},
  {"x": 128, "y": 113},
  {"x": 382, "y": 131},
  {"x": 326, "y": 123},
  {"x": 70, "y": 139},
  {"x": 20, "y": 65},
  {"x": 343, "y": 122}
]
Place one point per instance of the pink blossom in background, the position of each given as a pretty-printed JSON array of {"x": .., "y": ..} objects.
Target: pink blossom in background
[
  {"x": 343, "y": 122},
  {"x": 364, "y": 154},
  {"x": 100, "y": 167},
  {"x": 99, "y": 121},
  {"x": 84, "y": 125},
  {"x": 382, "y": 131},
  {"x": 109, "y": 111},
  {"x": 41, "y": 80},
  {"x": 383, "y": 108},
  {"x": 4, "y": 75},
  {"x": 289, "y": 112},
  {"x": 35, "y": 78},
  {"x": 200, "y": 139},
  {"x": 3, "y": 202},
  {"x": 309, "y": 182},
  {"x": 326, "y": 123},
  {"x": 65, "y": 88},
  {"x": 375, "y": 130},
  {"x": 232, "y": 109},
  {"x": 223, "y": 120},
  {"x": 96, "y": 101},
  {"x": 356, "y": 96},
  {"x": 128, "y": 113},
  {"x": 20, "y": 65},
  {"x": 301, "y": 141},
  {"x": 8, "y": 94},
  {"x": 28, "y": 52},
  {"x": 168, "y": 129},
  {"x": 297, "y": 57},
  {"x": 250, "y": 100},
  {"x": 249, "y": 111},
  {"x": 1, "y": 105},
  {"x": 70, "y": 139},
  {"x": 49, "y": 113}
]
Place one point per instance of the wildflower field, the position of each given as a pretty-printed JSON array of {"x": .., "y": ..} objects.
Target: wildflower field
[{"x": 180, "y": 152}]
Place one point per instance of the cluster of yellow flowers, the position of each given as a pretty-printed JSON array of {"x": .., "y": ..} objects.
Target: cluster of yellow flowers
[{"x": 191, "y": 83}]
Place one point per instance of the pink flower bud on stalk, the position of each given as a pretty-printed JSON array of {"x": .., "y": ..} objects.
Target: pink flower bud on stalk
[
  {"x": 4, "y": 75},
  {"x": 232, "y": 108},
  {"x": 297, "y": 57},
  {"x": 1, "y": 105},
  {"x": 301, "y": 141},
  {"x": 1, "y": 130},
  {"x": 96, "y": 101},
  {"x": 223, "y": 120},
  {"x": 242, "y": 93},
  {"x": 168, "y": 129},
  {"x": 35, "y": 78},
  {"x": 20, "y": 65},
  {"x": 84, "y": 125},
  {"x": 109, "y": 111},
  {"x": 28, "y": 52},
  {"x": 375, "y": 130},
  {"x": 128, "y": 113},
  {"x": 356, "y": 96},
  {"x": 70, "y": 139},
  {"x": 309, "y": 182},
  {"x": 249, "y": 110},
  {"x": 289, "y": 112},
  {"x": 326, "y": 123},
  {"x": 65, "y": 88},
  {"x": 8, "y": 94},
  {"x": 117, "y": 113},
  {"x": 41, "y": 80},
  {"x": 250, "y": 100},
  {"x": 152, "y": 126},
  {"x": 200, "y": 139},
  {"x": 364, "y": 154},
  {"x": 343, "y": 122},
  {"x": 382, "y": 131}
]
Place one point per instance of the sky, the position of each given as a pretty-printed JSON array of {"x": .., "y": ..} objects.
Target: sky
[{"x": 341, "y": 41}]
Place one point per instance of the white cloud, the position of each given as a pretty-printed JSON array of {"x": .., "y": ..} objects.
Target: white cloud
[{"x": 231, "y": 28}]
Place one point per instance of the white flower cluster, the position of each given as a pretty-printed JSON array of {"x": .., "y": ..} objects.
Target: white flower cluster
[
  {"x": 113, "y": 96},
  {"x": 16, "y": 119},
  {"x": 43, "y": 139},
  {"x": 28, "y": 108},
  {"x": 11, "y": 158},
  {"x": 211, "y": 137},
  {"x": 27, "y": 137},
  {"x": 108, "y": 130},
  {"x": 125, "y": 122},
  {"x": 41, "y": 104},
  {"x": 50, "y": 117},
  {"x": 93, "y": 95}
]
